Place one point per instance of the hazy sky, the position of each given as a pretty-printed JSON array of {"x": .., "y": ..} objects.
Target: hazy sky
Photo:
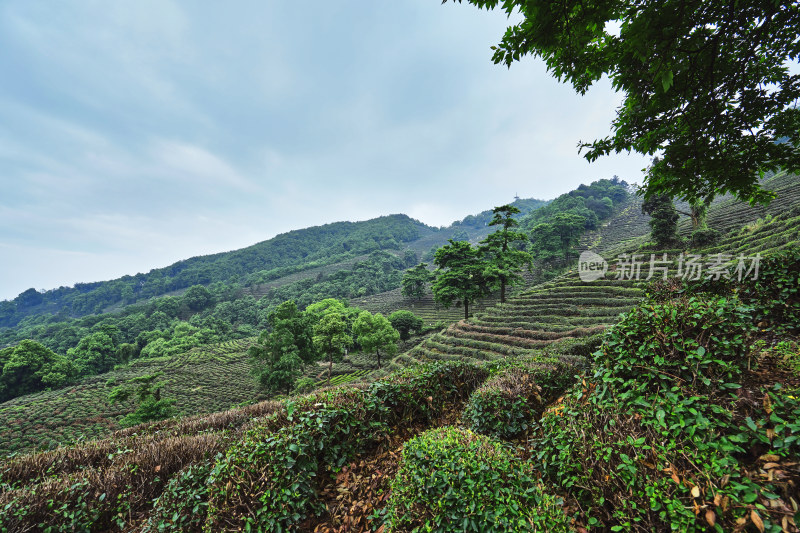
[{"x": 137, "y": 133}]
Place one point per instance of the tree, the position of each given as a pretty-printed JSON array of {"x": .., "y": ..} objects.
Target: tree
[
  {"x": 95, "y": 353},
  {"x": 461, "y": 276},
  {"x": 415, "y": 280},
  {"x": 706, "y": 84},
  {"x": 30, "y": 367},
  {"x": 558, "y": 236},
  {"x": 281, "y": 353},
  {"x": 505, "y": 261},
  {"x": 151, "y": 406},
  {"x": 405, "y": 322},
  {"x": 663, "y": 219},
  {"x": 375, "y": 332},
  {"x": 197, "y": 298},
  {"x": 331, "y": 337}
]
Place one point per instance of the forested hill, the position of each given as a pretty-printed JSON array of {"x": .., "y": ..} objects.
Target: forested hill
[
  {"x": 285, "y": 254},
  {"x": 282, "y": 254}
]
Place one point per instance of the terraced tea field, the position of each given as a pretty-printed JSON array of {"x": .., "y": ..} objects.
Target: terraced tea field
[
  {"x": 203, "y": 380},
  {"x": 565, "y": 310},
  {"x": 627, "y": 225},
  {"x": 727, "y": 214},
  {"x": 261, "y": 289}
]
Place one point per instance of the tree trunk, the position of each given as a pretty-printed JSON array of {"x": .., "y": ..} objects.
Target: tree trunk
[
  {"x": 502, "y": 291},
  {"x": 330, "y": 369},
  {"x": 379, "y": 357},
  {"x": 466, "y": 309}
]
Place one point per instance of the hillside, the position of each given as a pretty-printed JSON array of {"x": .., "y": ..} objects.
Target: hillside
[
  {"x": 331, "y": 246},
  {"x": 281, "y": 255},
  {"x": 206, "y": 380},
  {"x": 224, "y": 467},
  {"x": 346, "y": 454}
]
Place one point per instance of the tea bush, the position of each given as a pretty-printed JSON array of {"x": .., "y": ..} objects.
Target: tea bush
[
  {"x": 659, "y": 440},
  {"x": 776, "y": 293},
  {"x": 507, "y": 404},
  {"x": 419, "y": 393},
  {"x": 183, "y": 504},
  {"x": 696, "y": 343},
  {"x": 455, "y": 480},
  {"x": 268, "y": 479}
]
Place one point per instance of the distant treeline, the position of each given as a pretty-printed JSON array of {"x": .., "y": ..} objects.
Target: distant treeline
[
  {"x": 169, "y": 325},
  {"x": 287, "y": 253}
]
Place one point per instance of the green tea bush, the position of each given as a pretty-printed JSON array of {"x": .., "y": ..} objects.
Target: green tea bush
[
  {"x": 455, "y": 480},
  {"x": 420, "y": 393},
  {"x": 776, "y": 293},
  {"x": 183, "y": 505},
  {"x": 696, "y": 343},
  {"x": 507, "y": 404},
  {"x": 267, "y": 480},
  {"x": 705, "y": 236},
  {"x": 659, "y": 440}
]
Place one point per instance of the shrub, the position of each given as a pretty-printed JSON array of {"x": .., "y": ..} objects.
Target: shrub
[
  {"x": 304, "y": 385},
  {"x": 267, "y": 480},
  {"x": 455, "y": 480},
  {"x": 420, "y": 393},
  {"x": 507, "y": 404},
  {"x": 697, "y": 343},
  {"x": 657, "y": 442},
  {"x": 776, "y": 292},
  {"x": 705, "y": 236},
  {"x": 183, "y": 505}
]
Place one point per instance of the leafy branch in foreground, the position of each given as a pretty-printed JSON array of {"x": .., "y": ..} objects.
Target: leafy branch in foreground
[{"x": 706, "y": 84}]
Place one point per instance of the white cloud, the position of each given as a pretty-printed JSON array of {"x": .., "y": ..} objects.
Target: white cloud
[{"x": 135, "y": 134}]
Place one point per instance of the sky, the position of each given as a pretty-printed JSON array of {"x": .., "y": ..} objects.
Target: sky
[{"x": 137, "y": 133}]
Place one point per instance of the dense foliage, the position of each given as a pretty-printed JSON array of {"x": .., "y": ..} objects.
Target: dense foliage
[
  {"x": 174, "y": 324},
  {"x": 150, "y": 407},
  {"x": 301, "y": 248},
  {"x": 416, "y": 280},
  {"x": 461, "y": 276},
  {"x": 511, "y": 401},
  {"x": 502, "y": 252},
  {"x": 663, "y": 220},
  {"x": 708, "y": 85},
  {"x": 555, "y": 229},
  {"x": 30, "y": 367},
  {"x": 665, "y": 435},
  {"x": 405, "y": 322},
  {"x": 454, "y": 480},
  {"x": 284, "y": 349}
]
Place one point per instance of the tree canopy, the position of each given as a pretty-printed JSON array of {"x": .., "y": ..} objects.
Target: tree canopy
[
  {"x": 462, "y": 275},
  {"x": 706, "y": 84},
  {"x": 557, "y": 237},
  {"x": 404, "y": 322},
  {"x": 375, "y": 332},
  {"x": 415, "y": 280},
  {"x": 663, "y": 219},
  {"x": 504, "y": 259},
  {"x": 281, "y": 353},
  {"x": 31, "y": 367},
  {"x": 331, "y": 335}
]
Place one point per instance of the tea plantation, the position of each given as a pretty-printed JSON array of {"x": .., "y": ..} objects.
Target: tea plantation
[{"x": 611, "y": 405}]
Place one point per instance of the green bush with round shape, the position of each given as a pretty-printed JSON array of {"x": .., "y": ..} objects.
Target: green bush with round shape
[
  {"x": 508, "y": 403},
  {"x": 452, "y": 479},
  {"x": 697, "y": 343}
]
